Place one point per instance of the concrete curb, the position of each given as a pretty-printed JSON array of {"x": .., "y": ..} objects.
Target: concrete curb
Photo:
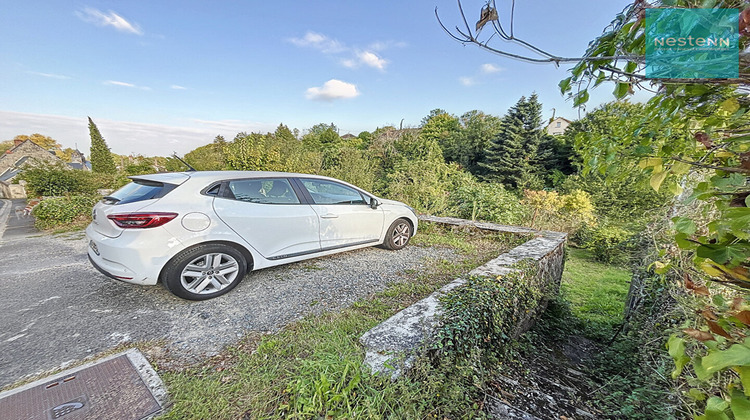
[{"x": 4, "y": 214}]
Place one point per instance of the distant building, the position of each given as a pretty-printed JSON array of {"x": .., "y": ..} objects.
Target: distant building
[
  {"x": 348, "y": 136},
  {"x": 557, "y": 126},
  {"x": 26, "y": 152}
]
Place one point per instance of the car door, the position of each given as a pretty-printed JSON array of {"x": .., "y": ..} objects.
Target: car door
[
  {"x": 344, "y": 214},
  {"x": 269, "y": 215}
]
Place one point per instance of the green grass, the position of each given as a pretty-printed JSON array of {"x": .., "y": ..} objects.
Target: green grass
[
  {"x": 596, "y": 292},
  {"x": 313, "y": 368}
]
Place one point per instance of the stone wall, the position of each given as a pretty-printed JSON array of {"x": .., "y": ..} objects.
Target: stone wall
[{"x": 391, "y": 346}]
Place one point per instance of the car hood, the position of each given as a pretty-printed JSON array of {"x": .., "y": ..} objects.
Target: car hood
[{"x": 387, "y": 201}]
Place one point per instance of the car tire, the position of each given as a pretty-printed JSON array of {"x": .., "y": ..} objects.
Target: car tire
[
  {"x": 398, "y": 234},
  {"x": 204, "y": 271}
]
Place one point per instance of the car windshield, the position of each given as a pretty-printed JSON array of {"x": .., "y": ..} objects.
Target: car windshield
[{"x": 139, "y": 190}]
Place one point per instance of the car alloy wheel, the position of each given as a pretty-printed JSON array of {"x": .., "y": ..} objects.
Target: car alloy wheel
[
  {"x": 209, "y": 273},
  {"x": 398, "y": 234},
  {"x": 204, "y": 271}
]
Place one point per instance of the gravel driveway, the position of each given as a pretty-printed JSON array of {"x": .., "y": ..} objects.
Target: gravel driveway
[{"x": 58, "y": 309}]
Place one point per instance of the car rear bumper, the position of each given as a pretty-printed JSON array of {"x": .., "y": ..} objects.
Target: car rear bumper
[{"x": 130, "y": 258}]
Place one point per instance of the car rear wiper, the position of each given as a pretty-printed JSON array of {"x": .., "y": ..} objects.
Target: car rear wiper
[{"x": 113, "y": 200}]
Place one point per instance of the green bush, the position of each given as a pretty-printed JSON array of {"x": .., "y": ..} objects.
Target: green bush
[
  {"x": 57, "y": 180},
  {"x": 58, "y": 211},
  {"x": 487, "y": 201},
  {"x": 609, "y": 244}
]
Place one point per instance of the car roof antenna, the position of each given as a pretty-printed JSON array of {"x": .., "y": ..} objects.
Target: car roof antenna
[{"x": 191, "y": 169}]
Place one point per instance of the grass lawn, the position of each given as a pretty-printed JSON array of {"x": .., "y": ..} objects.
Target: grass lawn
[{"x": 595, "y": 291}]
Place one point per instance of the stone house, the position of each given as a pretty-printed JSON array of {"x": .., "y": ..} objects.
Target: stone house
[
  {"x": 26, "y": 152},
  {"x": 557, "y": 126}
]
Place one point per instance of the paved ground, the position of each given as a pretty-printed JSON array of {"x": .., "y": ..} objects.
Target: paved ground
[{"x": 57, "y": 309}]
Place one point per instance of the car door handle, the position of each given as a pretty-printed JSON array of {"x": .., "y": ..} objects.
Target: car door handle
[{"x": 329, "y": 216}]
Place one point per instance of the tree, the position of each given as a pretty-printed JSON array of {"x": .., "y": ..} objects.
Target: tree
[
  {"x": 511, "y": 158},
  {"x": 101, "y": 157},
  {"x": 469, "y": 144},
  {"x": 440, "y": 126},
  {"x": 210, "y": 157},
  {"x": 6, "y": 145},
  {"x": 45, "y": 142}
]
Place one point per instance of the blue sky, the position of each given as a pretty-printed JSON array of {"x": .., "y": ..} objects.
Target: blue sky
[{"x": 163, "y": 76}]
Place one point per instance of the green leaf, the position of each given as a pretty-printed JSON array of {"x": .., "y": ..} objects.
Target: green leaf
[
  {"x": 581, "y": 98},
  {"x": 657, "y": 179},
  {"x": 699, "y": 370},
  {"x": 747, "y": 201},
  {"x": 738, "y": 218},
  {"x": 621, "y": 90},
  {"x": 680, "y": 168},
  {"x": 730, "y": 105},
  {"x": 684, "y": 225},
  {"x": 564, "y": 84},
  {"x": 730, "y": 254},
  {"x": 599, "y": 78},
  {"x": 682, "y": 241},
  {"x": 740, "y": 406},
  {"x": 675, "y": 188},
  {"x": 715, "y": 408},
  {"x": 676, "y": 346},
  {"x": 736, "y": 355},
  {"x": 696, "y": 394},
  {"x": 744, "y": 372}
]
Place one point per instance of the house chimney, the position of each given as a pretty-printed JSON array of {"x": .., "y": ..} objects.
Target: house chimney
[{"x": 16, "y": 142}]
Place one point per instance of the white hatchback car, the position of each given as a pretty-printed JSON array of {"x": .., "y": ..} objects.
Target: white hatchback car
[{"x": 201, "y": 232}]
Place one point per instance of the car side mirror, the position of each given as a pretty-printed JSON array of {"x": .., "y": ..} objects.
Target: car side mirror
[{"x": 374, "y": 203}]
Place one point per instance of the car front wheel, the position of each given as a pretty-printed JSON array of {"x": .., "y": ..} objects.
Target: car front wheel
[
  {"x": 204, "y": 271},
  {"x": 398, "y": 234}
]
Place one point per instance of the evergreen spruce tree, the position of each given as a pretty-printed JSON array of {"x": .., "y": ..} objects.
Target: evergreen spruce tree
[
  {"x": 512, "y": 156},
  {"x": 101, "y": 158}
]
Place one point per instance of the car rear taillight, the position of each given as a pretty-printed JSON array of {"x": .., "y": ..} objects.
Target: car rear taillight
[{"x": 141, "y": 220}]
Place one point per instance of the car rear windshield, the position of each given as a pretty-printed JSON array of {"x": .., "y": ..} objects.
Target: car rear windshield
[{"x": 139, "y": 190}]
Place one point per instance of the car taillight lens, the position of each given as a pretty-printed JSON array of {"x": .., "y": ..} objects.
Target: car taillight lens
[{"x": 141, "y": 220}]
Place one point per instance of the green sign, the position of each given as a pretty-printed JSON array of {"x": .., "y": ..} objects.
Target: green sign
[{"x": 692, "y": 43}]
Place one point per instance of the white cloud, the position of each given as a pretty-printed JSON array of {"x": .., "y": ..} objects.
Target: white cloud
[
  {"x": 124, "y": 137},
  {"x": 116, "y": 83},
  {"x": 178, "y": 87},
  {"x": 490, "y": 68},
  {"x": 125, "y": 84},
  {"x": 350, "y": 57},
  {"x": 235, "y": 126},
  {"x": 467, "y": 81},
  {"x": 384, "y": 45},
  {"x": 332, "y": 90},
  {"x": 319, "y": 42},
  {"x": 349, "y": 63},
  {"x": 99, "y": 18},
  {"x": 50, "y": 75},
  {"x": 371, "y": 59}
]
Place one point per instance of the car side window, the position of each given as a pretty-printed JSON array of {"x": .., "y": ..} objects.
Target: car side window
[
  {"x": 263, "y": 191},
  {"x": 328, "y": 192}
]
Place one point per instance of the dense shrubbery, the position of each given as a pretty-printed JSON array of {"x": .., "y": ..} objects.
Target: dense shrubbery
[
  {"x": 608, "y": 243},
  {"x": 57, "y": 180},
  {"x": 488, "y": 201},
  {"x": 57, "y": 211},
  {"x": 485, "y": 313}
]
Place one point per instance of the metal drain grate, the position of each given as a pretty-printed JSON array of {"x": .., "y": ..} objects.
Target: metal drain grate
[{"x": 111, "y": 389}]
